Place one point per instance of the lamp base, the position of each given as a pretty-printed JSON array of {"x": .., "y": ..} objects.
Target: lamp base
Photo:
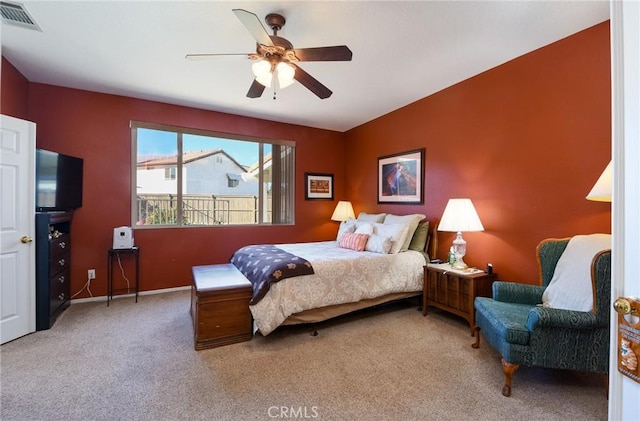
[
  {"x": 459, "y": 264},
  {"x": 459, "y": 250}
]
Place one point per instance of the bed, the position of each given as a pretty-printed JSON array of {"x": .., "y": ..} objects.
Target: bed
[{"x": 387, "y": 265}]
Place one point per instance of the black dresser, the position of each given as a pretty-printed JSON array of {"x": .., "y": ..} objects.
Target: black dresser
[{"x": 53, "y": 266}]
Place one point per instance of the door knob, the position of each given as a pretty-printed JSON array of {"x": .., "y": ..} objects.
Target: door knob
[
  {"x": 622, "y": 306},
  {"x": 26, "y": 239}
]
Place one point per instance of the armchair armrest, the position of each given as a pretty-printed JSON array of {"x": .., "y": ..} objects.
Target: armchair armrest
[
  {"x": 510, "y": 292},
  {"x": 546, "y": 316}
]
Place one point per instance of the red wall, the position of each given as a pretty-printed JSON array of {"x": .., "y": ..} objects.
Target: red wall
[
  {"x": 14, "y": 92},
  {"x": 525, "y": 141},
  {"x": 95, "y": 127}
]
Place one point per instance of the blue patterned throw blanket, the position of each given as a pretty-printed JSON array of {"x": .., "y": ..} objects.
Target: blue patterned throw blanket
[{"x": 267, "y": 264}]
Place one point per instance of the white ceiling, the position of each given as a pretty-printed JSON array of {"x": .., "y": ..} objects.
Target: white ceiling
[{"x": 402, "y": 51}]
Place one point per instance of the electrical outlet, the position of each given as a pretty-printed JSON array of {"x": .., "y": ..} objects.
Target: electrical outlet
[{"x": 91, "y": 273}]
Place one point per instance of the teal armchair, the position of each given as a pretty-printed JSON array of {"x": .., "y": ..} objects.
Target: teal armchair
[{"x": 524, "y": 333}]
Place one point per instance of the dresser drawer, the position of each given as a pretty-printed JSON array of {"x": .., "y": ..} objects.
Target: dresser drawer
[
  {"x": 59, "y": 289},
  {"x": 60, "y": 262},
  {"x": 60, "y": 280},
  {"x": 60, "y": 245}
]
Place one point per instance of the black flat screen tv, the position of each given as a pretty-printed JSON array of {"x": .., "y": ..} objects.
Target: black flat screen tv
[{"x": 58, "y": 181}]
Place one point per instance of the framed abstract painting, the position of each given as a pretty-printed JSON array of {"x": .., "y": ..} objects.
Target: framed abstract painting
[{"x": 401, "y": 177}]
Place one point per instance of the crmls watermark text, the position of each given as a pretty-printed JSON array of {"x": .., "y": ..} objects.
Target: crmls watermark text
[{"x": 293, "y": 412}]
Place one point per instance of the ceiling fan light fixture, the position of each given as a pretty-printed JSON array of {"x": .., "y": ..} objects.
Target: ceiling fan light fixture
[
  {"x": 262, "y": 71},
  {"x": 285, "y": 75}
]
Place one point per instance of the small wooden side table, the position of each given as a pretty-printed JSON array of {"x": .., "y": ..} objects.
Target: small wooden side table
[
  {"x": 118, "y": 252},
  {"x": 455, "y": 290}
]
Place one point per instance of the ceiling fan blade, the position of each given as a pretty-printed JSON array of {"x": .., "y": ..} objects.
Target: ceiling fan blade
[
  {"x": 256, "y": 90},
  {"x": 201, "y": 57},
  {"x": 335, "y": 53},
  {"x": 311, "y": 83},
  {"x": 252, "y": 23}
]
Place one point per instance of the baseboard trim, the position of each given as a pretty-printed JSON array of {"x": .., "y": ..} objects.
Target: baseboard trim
[{"x": 151, "y": 292}]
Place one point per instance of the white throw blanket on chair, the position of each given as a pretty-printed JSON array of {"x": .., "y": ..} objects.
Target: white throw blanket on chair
[{"x": 571, "y": 287}]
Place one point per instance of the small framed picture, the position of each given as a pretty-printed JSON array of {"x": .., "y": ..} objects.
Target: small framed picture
[
  {"x": 400, "y": 177},
  {"x": 318, "y": 186}
]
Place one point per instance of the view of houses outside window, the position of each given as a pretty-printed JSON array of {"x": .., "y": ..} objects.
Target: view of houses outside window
[{"x": 188, "y": 177}]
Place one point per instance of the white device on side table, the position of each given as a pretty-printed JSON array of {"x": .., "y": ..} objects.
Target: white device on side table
[{"x": 122, "y": 238}]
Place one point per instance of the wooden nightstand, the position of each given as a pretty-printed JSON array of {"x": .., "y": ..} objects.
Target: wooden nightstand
[{"x": 455, "y": 290}]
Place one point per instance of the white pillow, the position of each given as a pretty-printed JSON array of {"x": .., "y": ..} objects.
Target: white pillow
[
  {"x": 378, "y": 244},
  {"x": 371, "y": 217},
  {"x": 571, "y": 287},
  {"x": 364, "y": 228},
  {"x": 346, "y": 226},
  {"x": 397, "y": 233},
  {"x": 411, "y": 221}
]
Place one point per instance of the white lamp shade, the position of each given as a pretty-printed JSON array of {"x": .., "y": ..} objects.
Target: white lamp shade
[
  {"x": 460, "y": 216},
  {"x": 262, "y": 71},
  {"x": 285, "y": 75},
  {"x": 343, "y": 211},
  {"x": 601, "y": 191}
]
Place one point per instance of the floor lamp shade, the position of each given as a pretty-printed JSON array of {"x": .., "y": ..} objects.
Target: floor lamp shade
[{"x": 601, "y": 191}]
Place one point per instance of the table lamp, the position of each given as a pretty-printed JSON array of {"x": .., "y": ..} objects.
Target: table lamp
[
  {"x": 460, "y": 216},
  {"x": 343, "y": 211}
]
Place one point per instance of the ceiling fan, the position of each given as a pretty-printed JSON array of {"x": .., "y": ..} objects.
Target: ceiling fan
[{"x": 275, "y": 58}]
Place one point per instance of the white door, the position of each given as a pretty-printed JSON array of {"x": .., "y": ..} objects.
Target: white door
[
  {"x": 625, "y": 37},
  {"x": 17, "y": 228}
]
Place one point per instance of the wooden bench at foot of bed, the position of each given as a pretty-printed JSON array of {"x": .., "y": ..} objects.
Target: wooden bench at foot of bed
[{"x": 220, "y": 297}]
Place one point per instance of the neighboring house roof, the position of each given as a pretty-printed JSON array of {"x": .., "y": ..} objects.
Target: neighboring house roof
[
  {"x": 267, "y": 163},
  {"x": 187, "y": 157}
]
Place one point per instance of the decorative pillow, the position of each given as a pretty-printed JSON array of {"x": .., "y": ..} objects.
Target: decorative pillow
[
  {"x": 571, "y": 286},
  {"x": 411, "y": 220},
  {"x": 397, "y": 233},
  {"x": 370, "y": 217},
  {"x": 353, "y": 241},
  {"x": 346, "y": 226},
  {"x": 419, "y": 239},
  {"x": 378, "y": 244},
  {"x": 364, "y": 228}
]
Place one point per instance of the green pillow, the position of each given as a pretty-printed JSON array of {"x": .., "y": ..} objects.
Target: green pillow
[{"x": 419, "y": 239}]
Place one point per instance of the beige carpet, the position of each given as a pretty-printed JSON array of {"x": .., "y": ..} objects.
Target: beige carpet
[{"x": 136, "y": 362}]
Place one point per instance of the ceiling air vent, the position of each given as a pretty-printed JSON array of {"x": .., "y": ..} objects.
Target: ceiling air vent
[{"x": 17, "y": 14}]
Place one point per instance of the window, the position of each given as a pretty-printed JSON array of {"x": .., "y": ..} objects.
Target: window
[
  {"x": 234, "y": 180},
  {"x": 170, "y": 173},
  {"x": 189, "y": 177}
]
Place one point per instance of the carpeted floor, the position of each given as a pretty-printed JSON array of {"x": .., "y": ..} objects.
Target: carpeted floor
[{"x": 134, "y": 361}]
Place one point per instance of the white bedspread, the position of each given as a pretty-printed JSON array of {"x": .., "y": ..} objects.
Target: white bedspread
[{"x": 341, "y": 276}]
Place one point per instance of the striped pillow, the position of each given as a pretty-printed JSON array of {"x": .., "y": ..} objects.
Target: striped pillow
[{"x": 353, "y": 241}]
